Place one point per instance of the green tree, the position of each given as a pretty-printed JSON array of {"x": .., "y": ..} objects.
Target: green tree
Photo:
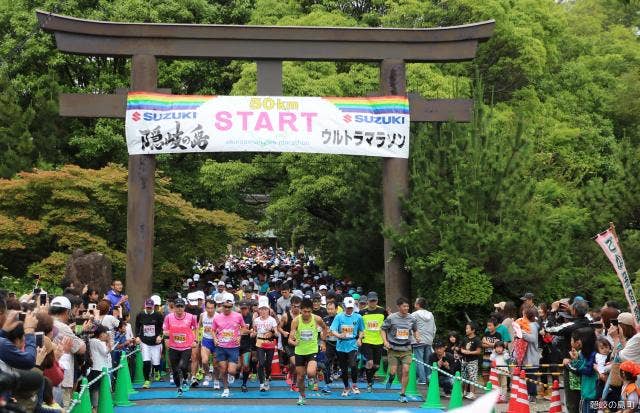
[{"x": 45, "y": 215}]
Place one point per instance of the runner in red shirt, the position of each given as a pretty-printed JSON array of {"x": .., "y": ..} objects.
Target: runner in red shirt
[{"x": 180, "y": 334}]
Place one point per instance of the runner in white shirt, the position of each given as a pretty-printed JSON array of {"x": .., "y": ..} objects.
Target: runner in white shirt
[{"x": 208, "y": 345}]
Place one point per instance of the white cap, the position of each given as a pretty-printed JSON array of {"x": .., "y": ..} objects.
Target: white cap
[
  {"x": 244, "y": 282},
  {"x": 229, "y": 297},
  {"x": 61, "y": 301},
  {"x": 196, "y": 277},
  {"x": 263, "y": 302},
  {"x": 199, "y": 295},
  {"x": 189, "y": 280},
  {"x": 156, "y": 299},
  {"x": 298, "y": 293},
  {"x": 221, "y": 283},
  {"x": 349, "y": 302},
  {"x": 322, "y": 287},
  {"x": 192, "y": 298},
  {"x": 219, "y": 298}
]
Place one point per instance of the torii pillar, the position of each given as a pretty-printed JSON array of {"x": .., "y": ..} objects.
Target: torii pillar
[{"x": 269, "y": 46}]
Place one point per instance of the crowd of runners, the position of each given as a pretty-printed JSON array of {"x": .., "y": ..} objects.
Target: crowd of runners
[{"x": 234, "y": 321}]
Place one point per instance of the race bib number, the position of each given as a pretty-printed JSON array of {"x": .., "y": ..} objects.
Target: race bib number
[
  {"x": 402, "y": 334},
  {"x": 227, "y": 336},
  {"x": 347, "y": 331},
  {"x": 180, "y": 338},
  {"x": 207, "y": 329},
  {"x": 373, "y": 325},
  {"x": 307, "y": 335},
  {"x": 149, "y": 331}
]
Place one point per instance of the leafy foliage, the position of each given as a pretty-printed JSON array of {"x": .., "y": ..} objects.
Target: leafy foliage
[{"x": 44, "y": 215}]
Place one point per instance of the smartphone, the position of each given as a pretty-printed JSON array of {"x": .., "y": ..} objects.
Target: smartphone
[
  {"x": 614, "y": 322},
  {"x": 43, "y": 299},
  {"x": 91, "y": 306},
  {"x": 39, "y": 339},
  {"x": 22, "y": 316}
]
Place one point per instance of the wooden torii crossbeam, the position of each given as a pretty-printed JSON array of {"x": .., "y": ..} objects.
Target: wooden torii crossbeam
[{"x": 269, "y": 46}]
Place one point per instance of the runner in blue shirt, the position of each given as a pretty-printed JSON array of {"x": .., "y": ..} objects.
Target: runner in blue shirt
[{"x": 348, "y": 327}]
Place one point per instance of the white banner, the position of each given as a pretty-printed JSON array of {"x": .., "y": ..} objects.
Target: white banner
[
  {"x": 375, "y": 126},
  {"x": 608, "y": 241}
]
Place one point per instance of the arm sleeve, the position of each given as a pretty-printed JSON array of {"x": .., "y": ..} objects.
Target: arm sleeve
[
  {"x": 335, "y": 324},
  {"x": 138, "y": 324}
]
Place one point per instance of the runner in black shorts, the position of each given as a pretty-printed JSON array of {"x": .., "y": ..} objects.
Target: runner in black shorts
[
  {"x": 245, "y": 343},
  {"x": 284, "y": 328}
]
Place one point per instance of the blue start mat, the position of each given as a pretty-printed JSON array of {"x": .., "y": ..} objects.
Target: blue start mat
[
  {"x": 274, "y": 394},
  {"x": 274, "y": 383},
  {"x": 282, "y": 408}
]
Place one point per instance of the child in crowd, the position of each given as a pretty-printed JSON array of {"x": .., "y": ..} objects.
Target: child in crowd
[
  {"x": 453, "y": 348},
  {"x": 630, "y": 390},
  {"x": 445, "y": 362},
  {"x": 603, "y": 364},
  {"x": 491, "y": 336},
  {"x": 48, "y": 403},
  {"x": 100, "y": 348},
  {"x": 471, "y": 351},
  {"x": 583, "y": 359},
  {"x": 500, "y": 356}
]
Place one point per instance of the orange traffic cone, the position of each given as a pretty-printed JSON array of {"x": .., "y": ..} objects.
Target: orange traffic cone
[
  {"x": 523, "y": 395},
  {"x": 556, "y": 404},
  {"x": 513, "y": 397},
  {"x": 275, "y": 365}
]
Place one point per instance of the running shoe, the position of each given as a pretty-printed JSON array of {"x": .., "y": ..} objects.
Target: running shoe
[
  {"x": 267, "y": 385},
  {"x": 470, "y": 396},
  {"x": 206, "y": 382},
  {"x": 355, "y": 389},
  {"x": 294, "y": 388},
  {"x": 146, "y": 385},
  {"x": 156, "y": 376},
  {"x": 179, "y": 394},
  {"x": 289, "y": 379},
  {"x": 243, "y": 388},
  {"x": 326, "y": 390},
  {"x": 231, "y": 378},
  {"x": 315, "y": 387},
  {"x": 369, "y": 388},
  {"x": 171, "y": 379},
  {"x": 200, "y": 374},
  {"x": 301, "y": 401},
  {"x": 403, "y": 399},
  {"x": 194, "y": 382},
  {"x": 216, "y": 385},
  {"x": 262, "y": 388},
  {"x": 185, "y": 386},
  {"x": 225, "y": 393},
  {"x": 345, "y": 393}
]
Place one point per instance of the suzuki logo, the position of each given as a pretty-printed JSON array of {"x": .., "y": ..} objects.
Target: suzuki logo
[
  {"x": 135, "y": 116},
  {"x": 347, "y": 118}
]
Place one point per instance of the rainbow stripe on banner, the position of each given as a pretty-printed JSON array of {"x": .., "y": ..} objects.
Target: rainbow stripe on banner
[
  {"x": 375, "y": 105},
  {"x": 159, "y": 101}
]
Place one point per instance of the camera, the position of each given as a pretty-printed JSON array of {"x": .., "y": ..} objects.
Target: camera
[
  {"x": 22, "y": 316},
  {"x": 39, "y": 339},
  {"x": 43, "y": 299}
]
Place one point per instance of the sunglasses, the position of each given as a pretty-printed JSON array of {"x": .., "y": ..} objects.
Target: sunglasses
[
  {"x": 179, "y": 306},
  {"x": 227, "y": 306}
]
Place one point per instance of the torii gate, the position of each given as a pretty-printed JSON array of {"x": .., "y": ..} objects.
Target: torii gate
[{"x": 269, "y": 46}]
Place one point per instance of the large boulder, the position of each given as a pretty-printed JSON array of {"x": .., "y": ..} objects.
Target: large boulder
[{"x": 93, "y": 269}]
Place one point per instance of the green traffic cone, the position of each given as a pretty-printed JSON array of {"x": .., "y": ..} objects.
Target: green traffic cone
[
  {"x": 488, "y": 390},
  {"x": 105, "y": 402},
  {"x": 76, "y": 401},
  {"x": 412, "y": 384},
  {"x": 85, "y": 398},
  {"x": 127, "y": 377},
  {"x": 433, "y": 392},
  {"x": 123, "y": 382},
  {"x": 138, "y": 377},
  {"x": 456, "y": 393}
]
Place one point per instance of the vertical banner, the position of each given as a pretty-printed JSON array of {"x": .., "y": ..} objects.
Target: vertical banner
[{"x": 608, "y": 241}]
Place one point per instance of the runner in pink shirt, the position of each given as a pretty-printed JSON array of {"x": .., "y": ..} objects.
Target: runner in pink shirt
[
  {"x": 227, "y": 327},
  {"x": 180, "y": 331}
]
